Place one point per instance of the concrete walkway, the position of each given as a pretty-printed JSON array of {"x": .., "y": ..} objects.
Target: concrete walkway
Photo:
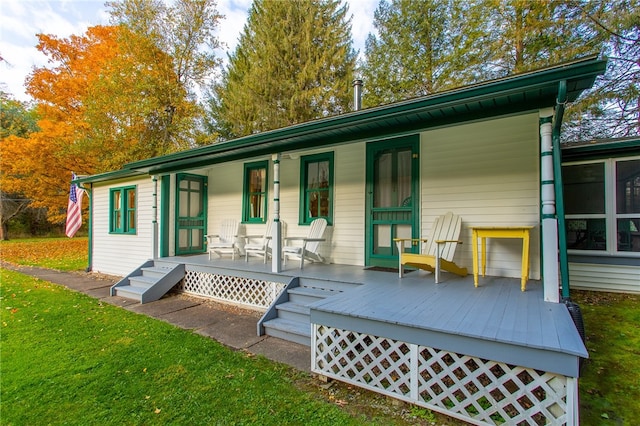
[{"x": 230, "y": 325}]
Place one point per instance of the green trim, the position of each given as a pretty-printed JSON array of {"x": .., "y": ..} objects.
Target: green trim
[
  {"x": 125, "y": 226},
  {"x": 547, "y": 182},
  {"x": 391, "y": 259},
  {"x": 546, "y": 153},
  {"x": 515, "y": 94},
  {"x": 246, "y": 195},
  {"x": 89, "y": 192},
  {"x": 203, "y": 225},
  {"x": 544, "y": 120},
  {"x": 559, "y": 193},
  {"x": 303, "y": 209},
  {"x": 600, "y": 149},
  {"x": 165, "y": 194}
]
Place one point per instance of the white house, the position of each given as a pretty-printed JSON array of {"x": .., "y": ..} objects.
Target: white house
[{"x": 488, "y": 152}]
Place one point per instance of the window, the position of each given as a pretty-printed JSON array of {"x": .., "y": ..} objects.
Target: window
[
  {"x": 602, "y": 206},
  {"x": 122, "y": 208},
  {"x": 316, "y": 186},
  {"x": 255, "y": 192}
]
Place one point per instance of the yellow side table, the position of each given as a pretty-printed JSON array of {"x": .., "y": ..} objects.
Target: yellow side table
[{"x": 484, "y": 232}]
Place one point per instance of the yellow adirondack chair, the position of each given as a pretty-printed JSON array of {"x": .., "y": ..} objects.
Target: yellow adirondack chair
[
  {"x": 309, "y": 248},
  {"x": 438, "y": 250},
  {"x": 225, "y": 241}
]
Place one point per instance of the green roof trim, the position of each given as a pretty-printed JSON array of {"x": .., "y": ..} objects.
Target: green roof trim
[
  {"x": 510, "y": 95},
  {"x": 600, "y": 148},
  {"x": 109, "y": 176}
]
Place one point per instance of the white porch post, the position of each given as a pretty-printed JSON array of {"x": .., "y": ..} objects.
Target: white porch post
[
  {"x": 276, "y": 229},
  {"x": 549, "y": 220}
]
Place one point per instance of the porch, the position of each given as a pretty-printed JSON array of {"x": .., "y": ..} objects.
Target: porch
[{"x": 486, "y": 355}]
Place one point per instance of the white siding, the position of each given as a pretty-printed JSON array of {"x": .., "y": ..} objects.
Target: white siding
[
  {"x": 488, "y": 173},
  {"x": 617, "y": 278},
  {"x": 119, "y": 254}
]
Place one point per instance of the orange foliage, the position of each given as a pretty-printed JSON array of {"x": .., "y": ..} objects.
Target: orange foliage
[{"x": 104, "y": 102}]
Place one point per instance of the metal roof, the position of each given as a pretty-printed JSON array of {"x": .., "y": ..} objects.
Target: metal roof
[{"x": 510, "y": 95}]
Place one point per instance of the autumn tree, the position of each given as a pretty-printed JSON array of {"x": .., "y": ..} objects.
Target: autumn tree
[
  {"x": 102, "y": 104},
  {"x": 17, "y": 120},
  {"x": 294, "y": 62},
  {"x": 185, "y": 30}
]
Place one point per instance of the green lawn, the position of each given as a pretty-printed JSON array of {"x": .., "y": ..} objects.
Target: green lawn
[{"x": 70, "y": 359}]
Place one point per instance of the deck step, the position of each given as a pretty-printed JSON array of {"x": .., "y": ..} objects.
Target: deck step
[
  {"x": 294, "y": 311},
  {"x": 293, "y": 331},
  {"x": 130, "y": 292},
  {"x": 142, "y": 281},
  {"x": 308, "y": 295},
  {"x": 149, "y": 282}
]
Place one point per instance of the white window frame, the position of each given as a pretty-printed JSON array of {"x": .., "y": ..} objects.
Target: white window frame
[{"x": 611, "y": 216}]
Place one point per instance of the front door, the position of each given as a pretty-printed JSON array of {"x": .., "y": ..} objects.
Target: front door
[
  {"x": 392, "y": 198},
  {"x": 191, "y": 213}
]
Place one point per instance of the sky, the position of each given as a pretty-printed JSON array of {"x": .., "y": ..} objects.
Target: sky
[{"x": 21, "y": 20}]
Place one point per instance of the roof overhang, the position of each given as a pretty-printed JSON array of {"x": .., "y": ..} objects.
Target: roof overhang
[
  {"x": 600, "y": 148},
  {"x": 517, "y": 94}
]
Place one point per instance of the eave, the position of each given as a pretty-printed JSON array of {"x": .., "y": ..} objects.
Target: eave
[{"x": 511, "y": 95}]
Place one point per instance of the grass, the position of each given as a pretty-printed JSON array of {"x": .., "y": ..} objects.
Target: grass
[
  {"x": 107, "y": 365},
  {"x": 71, "y": 359},
  {"x": 63, "y": 254},
  {"x": 610, "y": 381}
]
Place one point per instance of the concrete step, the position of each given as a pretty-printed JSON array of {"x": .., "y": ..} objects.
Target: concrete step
[
  {"x": 292, "y": 331},
  {"x": 294, "y": 312}
]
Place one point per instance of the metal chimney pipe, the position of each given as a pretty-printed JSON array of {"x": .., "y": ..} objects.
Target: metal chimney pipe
[{"x": 357, "y": 94}]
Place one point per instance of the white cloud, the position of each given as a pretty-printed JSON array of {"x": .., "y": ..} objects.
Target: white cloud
[{"x": 21, "y": 20}]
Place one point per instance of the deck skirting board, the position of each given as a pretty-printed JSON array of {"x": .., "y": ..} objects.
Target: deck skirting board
[
  {"x": 250, "y": 292},
  {"x": 470, "y": 388},
  {"x": 530, "y": 357}
]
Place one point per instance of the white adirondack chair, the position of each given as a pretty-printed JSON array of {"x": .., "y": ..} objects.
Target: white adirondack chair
[
  {"x": 438, "y": 250},
  {"x": 308, "y": 249},
  {"x": 259, "y": 244},
  {"x": 225, "y": 241}
]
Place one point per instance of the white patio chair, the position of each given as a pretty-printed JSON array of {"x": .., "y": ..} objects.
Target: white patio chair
[
  {"x": 259, "y": 245},
  {"x": 438, "y": 250},
  {"x": 309, "y": 244},
  {"x": 225, "y": 241}
]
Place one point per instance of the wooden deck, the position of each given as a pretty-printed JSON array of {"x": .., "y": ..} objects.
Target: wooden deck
[{"x": 494, "y": 321}]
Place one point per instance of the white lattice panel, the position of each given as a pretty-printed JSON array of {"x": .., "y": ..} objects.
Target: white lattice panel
[
  {"x": 476, "y": 390},
  {"x": 245, "y": 291}
]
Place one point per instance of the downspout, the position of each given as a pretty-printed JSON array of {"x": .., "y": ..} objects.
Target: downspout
[{"x": 557, "y": 169}]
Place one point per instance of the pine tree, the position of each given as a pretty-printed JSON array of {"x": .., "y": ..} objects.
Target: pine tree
[
  {"x": 422, "y": 47},
  {"x": 294, "y": 63}
]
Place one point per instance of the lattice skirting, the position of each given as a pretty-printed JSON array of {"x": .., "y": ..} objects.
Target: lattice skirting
[
  {"x": 241, "y": 290},
  {"x": 476, "y": 390}
]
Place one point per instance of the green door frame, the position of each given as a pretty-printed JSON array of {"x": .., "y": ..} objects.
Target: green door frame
[
  {"x": 194, "y": 225},
  {"x": 404, "y": 212}
]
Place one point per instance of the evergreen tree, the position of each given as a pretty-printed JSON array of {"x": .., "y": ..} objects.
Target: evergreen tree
[
  {"x": 612, "y": 107},
  {"x": 422, "y": 47},
  {"x": 294, "y": 63}
]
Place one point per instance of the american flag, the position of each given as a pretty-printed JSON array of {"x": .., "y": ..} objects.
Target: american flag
[{"x": 74, "y": 209}]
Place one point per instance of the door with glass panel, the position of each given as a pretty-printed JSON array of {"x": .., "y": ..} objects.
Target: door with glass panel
[
  {"x": 191, "y": 213},
  {"x": 392, "y": 203}
]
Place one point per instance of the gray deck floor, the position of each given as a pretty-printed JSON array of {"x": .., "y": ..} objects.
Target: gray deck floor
[{"x": 497, "y": 311}]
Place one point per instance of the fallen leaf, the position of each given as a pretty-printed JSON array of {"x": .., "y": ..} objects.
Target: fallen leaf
[{"x": 157, "y": 411}]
